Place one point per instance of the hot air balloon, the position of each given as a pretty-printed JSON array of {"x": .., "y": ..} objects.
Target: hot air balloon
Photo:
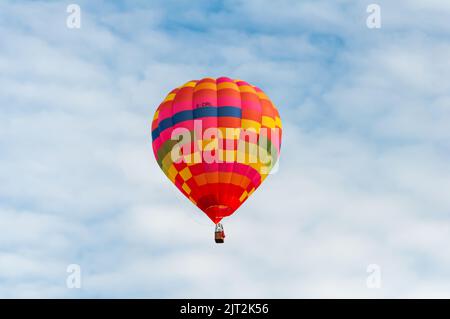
[{"x": 216, "y": 140}]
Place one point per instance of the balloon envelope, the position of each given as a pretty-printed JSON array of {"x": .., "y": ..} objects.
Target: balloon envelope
[{"x": 216, "y": 140}]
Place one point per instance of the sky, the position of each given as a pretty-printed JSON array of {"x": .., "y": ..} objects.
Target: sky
[{"x": 363, "y": 180}]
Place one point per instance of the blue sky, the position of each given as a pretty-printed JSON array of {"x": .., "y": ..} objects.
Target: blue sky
[{"x": 363, "y": 176}]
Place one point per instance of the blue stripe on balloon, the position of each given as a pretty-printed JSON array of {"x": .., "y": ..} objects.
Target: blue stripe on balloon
[{"x": 208, "y": 111}]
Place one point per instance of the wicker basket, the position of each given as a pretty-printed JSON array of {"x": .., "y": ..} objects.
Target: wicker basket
[{"x": 219, "y": 237}]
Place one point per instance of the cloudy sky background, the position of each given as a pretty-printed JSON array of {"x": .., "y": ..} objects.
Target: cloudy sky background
[{"x": 364, "y": 176}]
